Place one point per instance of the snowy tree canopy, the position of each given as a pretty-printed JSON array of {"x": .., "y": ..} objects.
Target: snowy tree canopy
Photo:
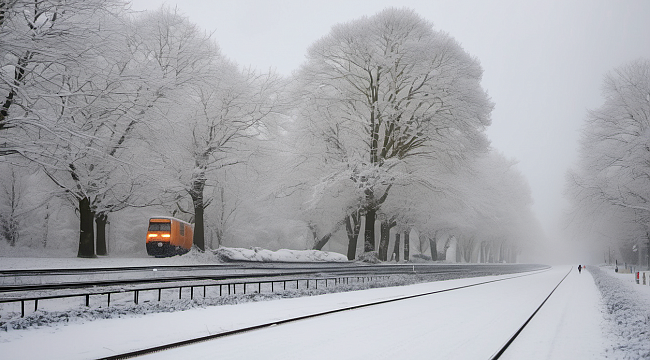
[
  {"x": 121, "y": 115},
  {"x": 381, "y": 90},
  {"x": 610, "y": 187}
]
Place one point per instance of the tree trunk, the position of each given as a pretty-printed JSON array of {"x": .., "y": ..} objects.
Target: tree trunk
[
  {"x": 100, "y": 222},
  {"x": 384, "y": 239},
  {"x": 647, "y": 259},
  {"x": 396, "y": 248},
  {"x": 407, "y": 245},
  {"x": 321, "y": 242},
  {"x": 86, "y": 230},
  {"x": 199, "y": 231},
  {"x": 199, "y": 206},
  {"x": 502, "y": 252},
  {"x": 47, "y": 225},
  {"x": 433, "y": 249},
  {"x": 369, "y": 231},
  {"x": 352, "y": 227}
]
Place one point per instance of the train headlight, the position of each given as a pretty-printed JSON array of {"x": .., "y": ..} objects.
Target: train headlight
[
  {"x": 153, "y": 235},
  {"x": 166, "y": 235}
]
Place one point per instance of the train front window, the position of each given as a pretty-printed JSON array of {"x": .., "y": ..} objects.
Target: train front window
[{"x": 160, "y": 226}]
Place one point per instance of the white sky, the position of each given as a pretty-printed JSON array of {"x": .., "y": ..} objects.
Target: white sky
[{"x": 543, "y": 61}]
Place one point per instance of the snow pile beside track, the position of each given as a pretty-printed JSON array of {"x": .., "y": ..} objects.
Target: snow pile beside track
[
  {"x": 282, "y": 255},
  {"x": 627, "y": 312}
]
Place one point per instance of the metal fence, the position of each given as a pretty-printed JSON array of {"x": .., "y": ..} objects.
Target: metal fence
[{"x": 232, "y": 288}]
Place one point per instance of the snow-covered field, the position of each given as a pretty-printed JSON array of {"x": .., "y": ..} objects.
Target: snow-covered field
[{"x": 576, "y": 323}]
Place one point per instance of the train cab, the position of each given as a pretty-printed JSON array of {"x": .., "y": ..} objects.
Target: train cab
[{"x": 167, "y": 236}]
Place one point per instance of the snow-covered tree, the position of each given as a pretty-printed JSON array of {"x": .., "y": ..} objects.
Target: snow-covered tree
[
  {"x": 108, "y": 95},
  {"x": 213, "y": 117},
  {"x": 42, "y": 43},
  {"x": 502, "y": 219},
  {"x": 383, "y": 89},
  {"x": 613, "y": 173},
  {"x": 484, "y": 204}
]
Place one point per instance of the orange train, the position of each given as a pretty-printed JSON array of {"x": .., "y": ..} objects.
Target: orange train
[{"x": 168, "y": 236}]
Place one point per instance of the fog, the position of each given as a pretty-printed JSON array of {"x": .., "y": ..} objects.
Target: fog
[{"x": 543, "y": 61}]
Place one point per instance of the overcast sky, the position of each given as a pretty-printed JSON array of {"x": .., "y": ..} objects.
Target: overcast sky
[{"x": 543, "y": 61}]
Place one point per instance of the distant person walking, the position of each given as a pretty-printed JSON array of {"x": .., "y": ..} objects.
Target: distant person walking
[{"x": 579, "y": 269}]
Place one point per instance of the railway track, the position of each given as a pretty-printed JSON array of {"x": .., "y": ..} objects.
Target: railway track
[
  {"x": 57, "y": 279},
  {"x": 514, "y": 336},
  {"x": 45, "y": 285},
  {"x": 495, "y": 356}
]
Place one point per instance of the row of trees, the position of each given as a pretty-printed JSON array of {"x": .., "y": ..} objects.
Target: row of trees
[
  {"x": 610, "y": 187},
  {"x": 395, "y": 113},
  {"x": 382, "y": 128}
]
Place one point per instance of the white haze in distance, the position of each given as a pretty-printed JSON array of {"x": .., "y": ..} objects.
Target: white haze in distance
[{"x": 543, "y": 61}]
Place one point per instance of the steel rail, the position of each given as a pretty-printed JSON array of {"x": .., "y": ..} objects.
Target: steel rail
[
  {"x": 24, "y": 293},
  {"x": 242, "y": 266},
  {"x": 155, "y": 349},
  {"x": 270, "y": 272},
  {"x": 112, "y": 286},
  {"x": 505, "y": 346},
  {"x": 105, "y": 287}
]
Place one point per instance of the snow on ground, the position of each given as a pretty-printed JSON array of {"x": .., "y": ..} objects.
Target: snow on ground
[
  {"x": 29, "y": 262},
  {"x": 192, "y": 258},
  {"x": 627, "y": 311},
  {"x": 568, "y": 327},
  {"x": 576, "y": 323},
  {"x": 464, "y": 324},
  {"x": 469, "y": 323},
  {"x": 282, "y": 255}
]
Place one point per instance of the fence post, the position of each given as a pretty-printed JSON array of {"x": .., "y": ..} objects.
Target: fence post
[
  {"x": 109, "y": 300},
  {"x": 35, "y": 304}
]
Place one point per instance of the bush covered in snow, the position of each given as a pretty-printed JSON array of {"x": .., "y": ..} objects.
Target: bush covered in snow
[
  {"x": 283, "y": 255},
  {"x": 628, "y": 314},
  {"x": 369, "y": 257}
]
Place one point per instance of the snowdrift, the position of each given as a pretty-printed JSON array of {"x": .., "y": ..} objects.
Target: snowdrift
[{"x": 283, "y": 255}]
